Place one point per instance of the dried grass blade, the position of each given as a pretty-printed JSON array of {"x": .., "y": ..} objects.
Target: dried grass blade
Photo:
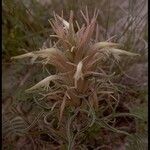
[
  {"x": 62, "y": 107},
  {"x": 95, "y": 99}
]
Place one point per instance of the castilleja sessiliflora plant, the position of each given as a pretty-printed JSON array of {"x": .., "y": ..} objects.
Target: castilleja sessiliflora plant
[{"x": 82, "y": 82}]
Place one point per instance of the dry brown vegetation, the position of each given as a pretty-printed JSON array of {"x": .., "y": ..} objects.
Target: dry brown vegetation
[{"x": 84, "y": 102}]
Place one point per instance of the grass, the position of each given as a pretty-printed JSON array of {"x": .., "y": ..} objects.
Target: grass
[{"x": 22, "y": 29}]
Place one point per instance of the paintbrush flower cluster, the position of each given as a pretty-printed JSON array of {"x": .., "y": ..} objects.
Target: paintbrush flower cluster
[{"x": 81, "y": 80}]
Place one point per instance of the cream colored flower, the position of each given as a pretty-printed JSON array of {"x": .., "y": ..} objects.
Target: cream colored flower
[
  {"x": 78, "y": 74},
  {"x": 100, "y": 45},
  {"x": 45, "y": 83},
  {"x": 65, "y": 23}
]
